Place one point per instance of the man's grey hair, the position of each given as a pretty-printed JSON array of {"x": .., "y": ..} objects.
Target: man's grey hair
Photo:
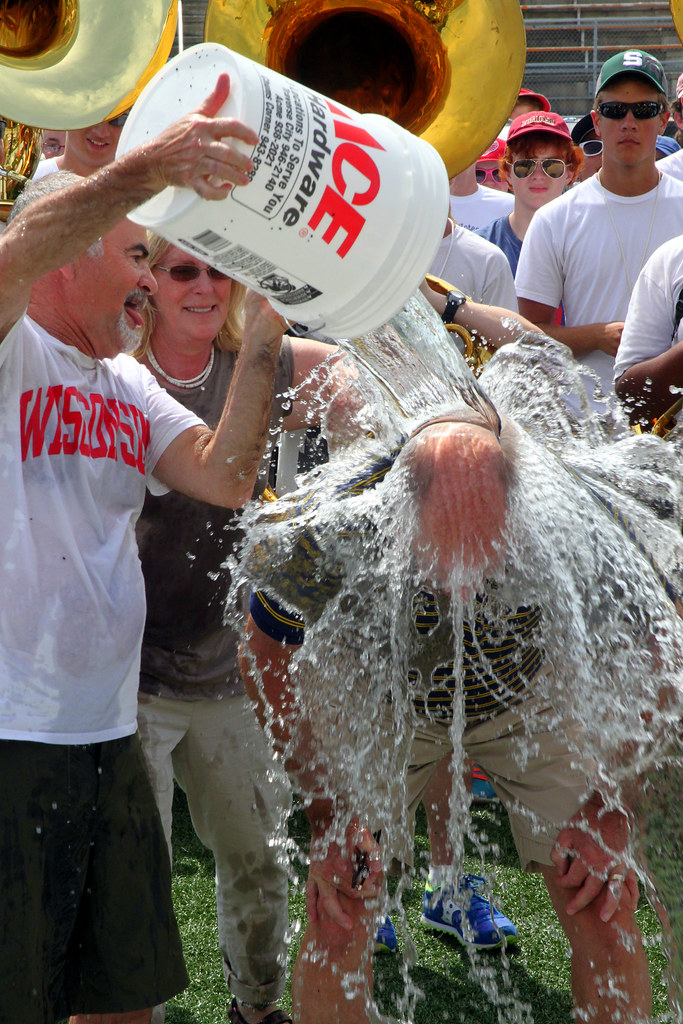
[
  {"x": 54, "y": 182},
  {"x": 44, "y": 187}
]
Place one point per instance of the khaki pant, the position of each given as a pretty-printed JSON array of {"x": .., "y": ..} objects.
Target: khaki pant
[
  {"x": 534, "y": 771},
  {"x": 239, "y": 800}
]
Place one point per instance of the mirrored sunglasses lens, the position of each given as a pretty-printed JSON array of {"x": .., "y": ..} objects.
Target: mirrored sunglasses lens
[
  {"x": 613, "y": 111},
  {"x": 645, "y": 110},
  {"x": 523, "y": 168},
  {"x": 593, "y": 147},
  {"x": 553, "y": 168},
  {"x": 118, "y": 122}
]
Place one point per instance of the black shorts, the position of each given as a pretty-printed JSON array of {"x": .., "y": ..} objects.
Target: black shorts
[{"x": 87, "y": 923}]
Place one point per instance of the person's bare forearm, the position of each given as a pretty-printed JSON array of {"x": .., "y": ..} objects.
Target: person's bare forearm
[
  {"x": 232, "y": 457},
  {"x": 645, "y": 388},
  {"x": 196, "y": 152},
  {"x": 496, "y": 325}
]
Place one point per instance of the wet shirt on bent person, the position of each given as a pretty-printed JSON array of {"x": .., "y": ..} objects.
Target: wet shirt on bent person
[{"x": 501, "y": 651}]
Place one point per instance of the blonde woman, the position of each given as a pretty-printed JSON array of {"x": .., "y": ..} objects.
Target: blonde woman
[{"x": 195, "y": 722}]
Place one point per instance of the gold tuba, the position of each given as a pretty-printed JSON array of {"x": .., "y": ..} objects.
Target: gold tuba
[
  {"x": 447, "y": 70},
  {"x": 68, "y": 64}
]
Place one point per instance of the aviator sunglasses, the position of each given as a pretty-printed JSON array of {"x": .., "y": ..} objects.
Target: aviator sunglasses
[
  {"x": 483, "y": 173},
  {"x": 552, "y": 166},
  {"x": 644, "y": 110},
  {"x": 190, "y": 272}
]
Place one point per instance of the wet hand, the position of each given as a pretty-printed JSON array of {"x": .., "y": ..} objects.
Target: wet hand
[
  {"x": 202, "y": 151},
  {"x": 261, "y": 321},
  {"x": 332, "y": 875},
  {"x": 587, "y": 855}
]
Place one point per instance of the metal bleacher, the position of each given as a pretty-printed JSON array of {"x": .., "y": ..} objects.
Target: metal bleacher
[{"x": 567, "y": 43}]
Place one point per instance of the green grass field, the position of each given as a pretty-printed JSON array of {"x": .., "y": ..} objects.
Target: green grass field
[{"x": 532, "y": 984}]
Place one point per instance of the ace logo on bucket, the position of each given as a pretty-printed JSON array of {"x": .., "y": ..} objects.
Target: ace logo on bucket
[
  {"x": 343, "y": 212},
  {"x": 299, "y": 151}
]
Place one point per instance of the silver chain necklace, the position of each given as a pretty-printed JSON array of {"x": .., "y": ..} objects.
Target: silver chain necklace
[
  {"x": 194, "y": 382},
  {"x": 616, "y": 232}
]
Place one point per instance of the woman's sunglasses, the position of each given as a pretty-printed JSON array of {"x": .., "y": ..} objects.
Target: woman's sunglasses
[
  {"x": 552, "y": 166},
  {"x": 592, "y": 147},
  {"x": 642, "y": 111},
  {"x": 485, "y": 172},
  {"x": 190, "y": 272}
]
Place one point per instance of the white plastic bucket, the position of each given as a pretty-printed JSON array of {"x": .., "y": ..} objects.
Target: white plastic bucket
[{"x": 344, "y": 212}]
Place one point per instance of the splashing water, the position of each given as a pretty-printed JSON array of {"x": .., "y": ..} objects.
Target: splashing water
[{"x": 592, "y": 541}]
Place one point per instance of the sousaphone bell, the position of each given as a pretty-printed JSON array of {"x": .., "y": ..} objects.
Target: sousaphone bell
[
  {"x": 68, "y": 64},
  {"x": 447, "y": 70}
]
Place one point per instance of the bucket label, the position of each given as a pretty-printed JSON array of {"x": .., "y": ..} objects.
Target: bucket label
[
  {"x": 250, "y": 268},
  {"x": 314, "y": 166}
]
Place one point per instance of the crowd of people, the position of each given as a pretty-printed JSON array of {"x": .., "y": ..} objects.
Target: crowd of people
[{"x": 146, "y": 393}]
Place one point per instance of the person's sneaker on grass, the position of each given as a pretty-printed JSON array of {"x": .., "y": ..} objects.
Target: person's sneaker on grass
[
  {"x": 485, "y": 927},
  {"x": 482, "y": 791},
  {"x": 385, "y": 940}
]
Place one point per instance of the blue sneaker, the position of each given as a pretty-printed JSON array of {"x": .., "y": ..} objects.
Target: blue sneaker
[
  {"x": 386, "y": 941},
  {"x": 482, "y": 791},
  {"x": 488, "y": 927}
]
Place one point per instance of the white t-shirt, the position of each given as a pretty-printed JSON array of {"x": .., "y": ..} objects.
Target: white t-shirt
[
  {"x": 476, "y": 267},
  {"x": 672, "y": 164},
  {"x": 79, "y": 440},
  {"x": 48, "y": 165},
  {"x": 649, "y": 326},
  {"x": 480, "y": 208},
  {"x": 571, "y": 254}
]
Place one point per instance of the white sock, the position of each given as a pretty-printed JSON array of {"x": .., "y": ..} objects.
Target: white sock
[{"x": 438, "y": 874}]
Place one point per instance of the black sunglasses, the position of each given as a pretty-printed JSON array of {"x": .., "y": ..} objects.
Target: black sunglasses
[
  {"x": 190, "y": 272},
  {"x": 551, "y": 165},
  {"x": 3, "y": 128},
  {"x": 119, "y": 121},
  {"x": 592, "y": 147},
  {"x": 483, "y": 173},
  {"x": 644, "y": 110}
]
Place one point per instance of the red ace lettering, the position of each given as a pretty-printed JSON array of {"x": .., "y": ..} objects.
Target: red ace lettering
[{"x": 337, "y": 205}]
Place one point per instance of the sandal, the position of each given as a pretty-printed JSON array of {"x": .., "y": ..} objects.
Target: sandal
[{"x": 274, "y": 1017}]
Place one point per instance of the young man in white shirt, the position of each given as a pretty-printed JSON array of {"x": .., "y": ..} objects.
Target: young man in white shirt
[{"x": 586, "y": 248}]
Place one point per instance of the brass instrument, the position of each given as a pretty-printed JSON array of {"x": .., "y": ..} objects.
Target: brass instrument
[
  {"x": 476, "y": 351},
  {"x": 65, "y": 63},
  {"x": 447, "y": 70},
  {"x": 23, "y": 147}
]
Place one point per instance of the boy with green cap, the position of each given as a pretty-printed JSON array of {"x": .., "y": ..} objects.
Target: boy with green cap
[{"x": 587, "y": 248}]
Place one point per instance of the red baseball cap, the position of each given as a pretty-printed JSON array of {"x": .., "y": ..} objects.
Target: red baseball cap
[
  {"x": 494, "y": 152},
  {"x": 539, "y": 121},
  {"x": 529, "y": 94}
]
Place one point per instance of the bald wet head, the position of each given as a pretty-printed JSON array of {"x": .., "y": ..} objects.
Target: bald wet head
[{"x": 460, "y": 475}]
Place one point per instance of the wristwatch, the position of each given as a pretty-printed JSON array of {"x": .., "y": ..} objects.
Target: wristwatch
[{"x": 454, "y": 300}]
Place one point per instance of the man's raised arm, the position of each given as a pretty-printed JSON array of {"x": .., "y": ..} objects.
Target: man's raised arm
[{"x": 197, "y": 152}]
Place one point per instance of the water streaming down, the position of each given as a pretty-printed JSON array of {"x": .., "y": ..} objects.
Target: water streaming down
[{"x": 592, "y": 539}]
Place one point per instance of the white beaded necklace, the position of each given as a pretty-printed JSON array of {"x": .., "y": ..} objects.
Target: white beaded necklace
[
  {"x": 603, "y": 191},
  {"x": 194, "y": 382}
]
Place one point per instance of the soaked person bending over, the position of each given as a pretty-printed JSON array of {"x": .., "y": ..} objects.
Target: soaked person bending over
[{"x": 418, "y": 545}]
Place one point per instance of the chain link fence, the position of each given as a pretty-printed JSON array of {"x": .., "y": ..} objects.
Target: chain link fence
[{"x": 567, "y": 44}]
